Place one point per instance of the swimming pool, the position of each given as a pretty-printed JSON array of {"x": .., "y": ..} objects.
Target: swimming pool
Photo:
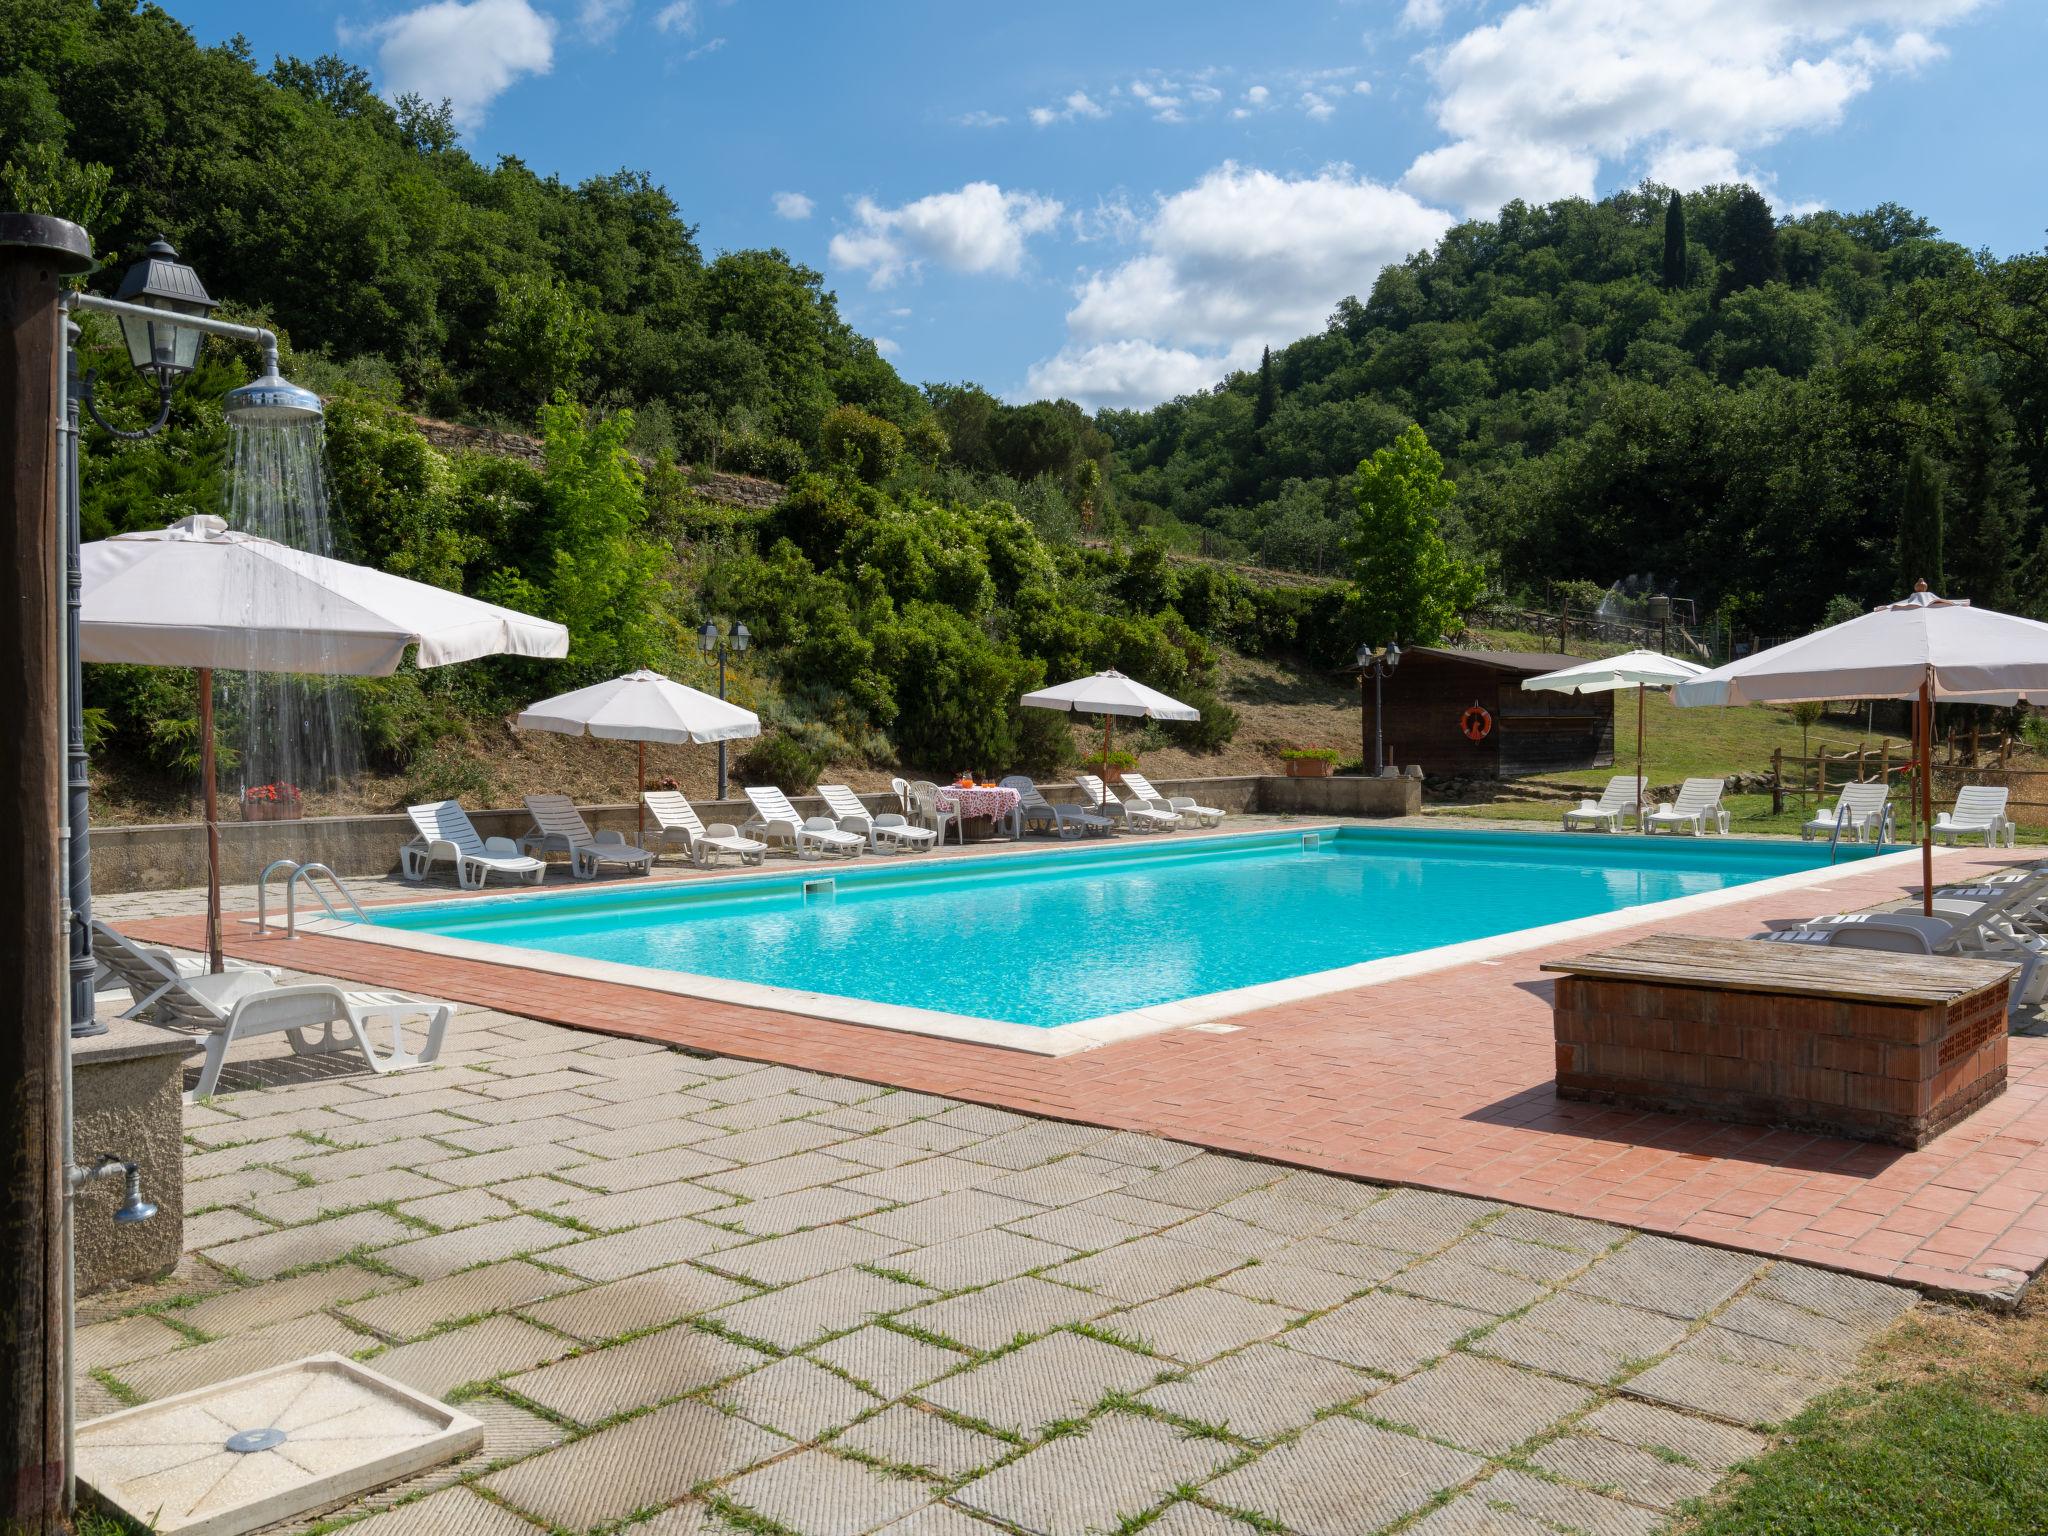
[{"x": 1045, "y": 941}]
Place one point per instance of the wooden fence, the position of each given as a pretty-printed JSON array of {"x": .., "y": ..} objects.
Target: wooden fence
[{"x": 1959, "y": 759}]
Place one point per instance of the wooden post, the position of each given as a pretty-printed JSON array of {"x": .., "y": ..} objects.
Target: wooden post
[
  {"x": 1884, "y": 761},
  {"x": 1973, "y": 743},
  {"x": 36, "y": 253},
  {"x": 1564, "y": 623},
  {"x": 1777, "y": 781}
]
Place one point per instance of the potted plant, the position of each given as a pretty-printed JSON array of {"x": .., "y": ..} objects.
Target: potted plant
[
  {"x": 272, "y": 802},
  {"x": 1111, "y": 769},
  {"x": 1309, "y": 762}
]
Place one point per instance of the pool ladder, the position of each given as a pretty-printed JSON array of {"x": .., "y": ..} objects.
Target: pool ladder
[
  {"x": 1887, "y": 831},
  {"x": 308, "y": 873}
]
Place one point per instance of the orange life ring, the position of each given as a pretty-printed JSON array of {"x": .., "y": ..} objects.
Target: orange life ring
[{"x": 1476, "y": 723}]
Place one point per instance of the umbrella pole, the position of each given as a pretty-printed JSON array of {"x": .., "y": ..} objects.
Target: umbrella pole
[
  {"x": 1108, "y": 728},
  {"x": 211, "y": 810},
  {"x": 1639, "y": 757},
  {"x": 639, "y": 806},
  {"x": 1926, "y": 722}
]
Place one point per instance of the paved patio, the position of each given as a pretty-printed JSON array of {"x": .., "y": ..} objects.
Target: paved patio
[
  {"x": 1441, "y": 1081},
  {"x": 692, "y": 1294}
]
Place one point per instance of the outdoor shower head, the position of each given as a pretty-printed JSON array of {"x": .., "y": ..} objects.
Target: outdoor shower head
[{"x": 271, "y": 400}]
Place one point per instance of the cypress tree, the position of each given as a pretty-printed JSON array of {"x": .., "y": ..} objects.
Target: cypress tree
[
  {"x": 1920, "y": 525},
  {"x": 1674, "y": 243},
  {"x": 1749, "y": 243},
  {"x": 1989, "y": 502},
  {"x": 1269, "y": 391}
]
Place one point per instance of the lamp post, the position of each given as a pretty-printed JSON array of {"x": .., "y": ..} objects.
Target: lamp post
[
  {"x": 712, "y": 644},
  {"x": 1378, "y": 660}
]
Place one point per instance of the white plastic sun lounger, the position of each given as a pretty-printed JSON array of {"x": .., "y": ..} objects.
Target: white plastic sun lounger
[
  {"x": 1857, "y": 810},
  {"x": 1913, "y": 933},
  {"x": 1033, "y": 807},
  {"x": 676, "y": 820},
  {"x": 446, "y": 832},
  {"x": 147, "y": 969},
  {"x": 1101, "y": 797},
  {"x": 780, "y": 823},
  {"x": 241, "y": 1005},
  {"x": 1617, "y": 806},
  {"x": 852, "y": 816},
  {"x": 1697, "y": 809},
  {"x": 1183, "y": 806},
  {"x": 1979, "y": 812},
  {"x": 558, "y": 824}
]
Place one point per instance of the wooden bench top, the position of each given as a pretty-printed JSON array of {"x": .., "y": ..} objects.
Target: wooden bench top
[{"x": 1748, "y": 965}]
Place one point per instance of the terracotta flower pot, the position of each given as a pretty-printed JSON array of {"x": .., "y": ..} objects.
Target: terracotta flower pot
[{"x": 1309, "y": 767}]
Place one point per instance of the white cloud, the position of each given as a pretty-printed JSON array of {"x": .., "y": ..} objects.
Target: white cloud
[
  {"x": 887, "y": 347},
  {"x": 792, "y": 205},
  {"x": 980, "y": 228},
  {"x": 1158, "y": 98},
  {"x": 1362, "y": 87},
  {"x": 1243, "y": 258},
  {"x": 598, "y": 21},
  {"x": 678, "y": 16},
  {"x": 1257, "y": 96},
  {"x": 464, "y": 53},
  {"x": 1121, "y": 373},
  {"x": 1537, "y": 100},
  {"x": 1317, "y": 106},
  {"x": 711, "y": 45},
  {"x": 980, "y": 119},
  {"x": 1078, "y": 104}
]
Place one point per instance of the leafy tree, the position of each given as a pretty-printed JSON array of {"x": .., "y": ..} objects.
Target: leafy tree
[
  {"x": 1983, "y": 542},
  {"x": 1269, "y": 390},
  {"x": 1674, "y": 242},
  {"x": 1749, "y": 243},
  {"x": 868, "y": 445},
  {"x": 1407, "y": 584},
  {"x": 1920, "y": 530}
]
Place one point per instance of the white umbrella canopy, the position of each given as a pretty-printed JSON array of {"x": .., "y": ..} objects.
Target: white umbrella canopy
[
  {"x": 1639, "y": 670},
  {"x": 197, "y": 594},
  {"x": 642, "y": 706},
  {"x": 1110, "y": 694},
  {"x": 1925, "y": 648}
]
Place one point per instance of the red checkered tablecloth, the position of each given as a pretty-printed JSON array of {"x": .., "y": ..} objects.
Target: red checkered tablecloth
[{"x": 998, "y": 803}]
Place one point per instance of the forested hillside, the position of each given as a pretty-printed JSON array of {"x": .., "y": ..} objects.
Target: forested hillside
[{"x": 1724, "y": 400}]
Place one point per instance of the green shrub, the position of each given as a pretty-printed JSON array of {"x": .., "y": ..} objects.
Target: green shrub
[
  {"x": 1117, "y": 759},
  {"x": 1213, "y": 731},
  {"x": 1311, "y": 755},
  {"x": 444, "y": 770},
  {"x": 761, "y": 454},
  {"x": 780, "y": 759},
  {"x": 870, "y": 446}
]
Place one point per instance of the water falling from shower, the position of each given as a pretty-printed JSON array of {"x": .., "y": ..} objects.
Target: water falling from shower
[{"x": 295, "y": 729}]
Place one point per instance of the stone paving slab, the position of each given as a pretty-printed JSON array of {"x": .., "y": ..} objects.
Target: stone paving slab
[
  {"x": 796, "y": 1210},
  {"x": 249, "y": 1307},
  {"x": 1651, "y": 1428},
  {"x": 1061, "y": 1183},
  {"x": 201, "y": 1365},
  {"x": 1660, "y": 1275},
  {"x": 1061, "y": 1376},
  {"x": 409, "y": 1313},
  {"x": 945, "y": 1217},
  {"x": 297, "y": 1205},
  {"x": 799, "y": 1256},
  {"x": 1414, "y": 1221},
  {"x": 1228, "y": 1235},
  {"x": 320, "y": 1242},
  {"x": 210, "y": 1229},
  {"x": 650, "y": 1369},
  {"x": 119, "y": 1342},
  {"x": 1080, "y": 1231},
  {"x": 1198, "y": 1325},
  {"x": 989, "y": 1319},
  {"x": 1867, "y": 1304},
  {"x": 452, "y": 1512},
  {"x": 1148, "y": 1267},
  {"x": 796, "y": 1397},
  {"x": 1342, "y": 1477},
  {"x": 1121, "y": 1466},
  {"x": 786, "y": 1175},
  {"x": 638, "y": 1248},
  {"x": 1514, "y": 1256},
  {"x": 1263, "y": 1392},
  {"x": 430, "y": 1258},
  {"x": 641, "y": 1207},
  {"x": 1384, "y": 1332},
  {"x": 1358, "y": 1262},
  {"x": 815, "y": 1494},
  {"x": 482, "y": 1351},
  {"x": 1564, "y": 1508},
  {"x": 889, "y": 1363},
  {"x": 1186, "y": 1519},
  {"x": 637, "y": 1302},
  {"x": 1478, "y": 1404},
  {"x": 980, "y": 1258},
  {"x": 652, "y": 1460},
  {"x": 1737, "y": 1393},
  {"x": 1449, "y": 1278},
  {"x": 1588, "y": 1341},
  {"x": 1290, "y": 1285},
  {"x": 1203, "y": 1182},
  {"x": 1633, "y": 1474},
  {"x": 803, "y": 1313},
  {"x": 458, "y": 1208},
  {"x": 907, "y": 1436}
]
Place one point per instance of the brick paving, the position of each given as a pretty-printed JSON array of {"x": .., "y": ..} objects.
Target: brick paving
[
  {"x": 1140, "y": 1335},
  {"x": 1442, "y": 1081}
]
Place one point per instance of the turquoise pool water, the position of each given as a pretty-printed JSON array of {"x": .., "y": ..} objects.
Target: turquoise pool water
[{"x": 1050, "y": 938}]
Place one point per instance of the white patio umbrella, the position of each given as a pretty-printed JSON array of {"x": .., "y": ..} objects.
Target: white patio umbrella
[
  {"x": 198, "y": 595},
  {"x": 1110, "y": 694},
  {"x": 1640, "y": 670},
  {"x": 641, "y": 707},
  {"x": 1925, "y": 648}
]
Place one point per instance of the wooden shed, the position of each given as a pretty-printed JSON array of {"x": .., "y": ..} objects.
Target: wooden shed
[{"x": 1427, "y": 695}]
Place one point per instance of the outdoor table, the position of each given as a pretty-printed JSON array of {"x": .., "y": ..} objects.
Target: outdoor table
[{"x": 988, "y": 806}]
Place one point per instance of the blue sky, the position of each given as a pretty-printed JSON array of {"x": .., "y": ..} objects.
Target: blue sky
[{"x": 1119, "y": 201}]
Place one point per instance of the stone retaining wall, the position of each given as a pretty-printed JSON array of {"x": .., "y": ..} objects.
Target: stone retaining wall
[
  {"x": 172, "y": 855},
  {"x": 453, "y": 437}
]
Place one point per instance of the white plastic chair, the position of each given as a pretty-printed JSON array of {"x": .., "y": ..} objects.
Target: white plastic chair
[
  {"x": 1697, "y": 809},
  {"x": 1181, "y": 805},
  {"x": 779, "y": 822},
  {"x": 1104, "y": 799},
  {"x": 1857, "y": 810},
  {"x": 676, "y": 821},
  {"x": 1979, "y": 812},
  {"x": 927, "y": 810},
  {"x": 853, "y": 816},
  {"x": 558, "y": 824},
  {"x": 1618, "y": 805},
  {"x": 445, "y": 832}
]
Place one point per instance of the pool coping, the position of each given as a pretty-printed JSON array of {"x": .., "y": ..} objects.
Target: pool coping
[{"x": 1210, "y": 1009}]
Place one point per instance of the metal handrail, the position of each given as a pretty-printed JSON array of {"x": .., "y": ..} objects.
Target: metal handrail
[
  {"x": 263, "y": 892},
  {"x": 306, "y": 872},
  {"x": 1887, "y": 828}
]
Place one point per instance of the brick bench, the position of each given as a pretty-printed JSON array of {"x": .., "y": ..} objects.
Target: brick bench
[{"x": 1882, "y": 1047}]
